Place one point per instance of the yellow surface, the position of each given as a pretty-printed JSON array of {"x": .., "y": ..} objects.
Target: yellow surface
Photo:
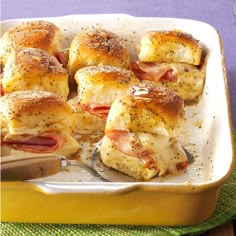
[{"x": 24, "y": 202}]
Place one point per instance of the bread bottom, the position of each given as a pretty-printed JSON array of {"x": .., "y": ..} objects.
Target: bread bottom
[
  {"x": 129, "y": 165},
  {"x": 69, "y": 148},
  {"x": 167, "y": 157}
]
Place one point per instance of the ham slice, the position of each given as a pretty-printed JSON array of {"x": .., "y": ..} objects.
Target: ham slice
[
  {"x": 131, "y": 145},
  {"x": 153, "y": 71},
  {"x": 2, "y": 90},
  {"x": 138, "y": 145},
  {"x": 98, "y": 110},
  {"x": 63, "y": 57},
  {"x": 36, "y": 144}
]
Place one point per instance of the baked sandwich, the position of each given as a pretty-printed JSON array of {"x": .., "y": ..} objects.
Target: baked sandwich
[
  {"x": 32, "y": 34},
  {"x": 36, "y": 122},
  {"x": 34, "y": 69},
  {"x": 140, "y": 133},
  {"x": 173, "y": 59},
  {"x": 97, "y": 47},
  {"x": 99, "y": 86}
]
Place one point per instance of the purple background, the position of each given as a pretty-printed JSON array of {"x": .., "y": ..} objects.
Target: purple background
[{"x": 218, "y": 13}]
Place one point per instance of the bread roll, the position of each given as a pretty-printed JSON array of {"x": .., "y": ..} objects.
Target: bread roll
[
  {"x": 36, "y": 122},
  {"x": 169, "y": 46},
  {"x": 97, "y": 47},
  {"x": 100, "y": 85},
  {"x": 147, "y": 108},
  {"x": 34, "y": 69},
  {"x": 32, "y": 34},
  {"x": 168, "y": 157},
  {"x": 140, "y": 133}
]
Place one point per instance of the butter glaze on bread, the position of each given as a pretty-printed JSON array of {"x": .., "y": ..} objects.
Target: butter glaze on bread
[
  {"x": 35, "y": 69},
  {"x": 145, "y": 108},
  {"x": 140, "y": 133},
  {"x": 33, "y": 109},
  {"x": 32, "y": 34},
  {"x": 102, "y": 84},
  {"x": 97, "y": 47},
  {"x": 36, "y": 114},
  {"x": 169, "y": 46}
]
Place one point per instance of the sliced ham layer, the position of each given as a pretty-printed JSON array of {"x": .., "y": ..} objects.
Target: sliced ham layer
[
  {"x": 2, "y": 90},
  {"x": 153, "y": 71},
  {"x": 98, "y": 110},
  {"x": 36, "y": 144},
  {"x": 63, "y": 57},
  {"x": 138, "y": 145},
  {"x": 130, "y": 145}
]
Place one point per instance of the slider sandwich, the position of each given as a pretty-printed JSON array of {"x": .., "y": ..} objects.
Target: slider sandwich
[
  {"x": 173, "y": 59},
  {"x": 36, "y": 122},
  {"x": 97, "y": 47},
  {"x": 34, "y": 69},
  {"x": 32, "y": 34},
  {"x": 98, "y": 87},
  {"x": 140, "y": 133}
]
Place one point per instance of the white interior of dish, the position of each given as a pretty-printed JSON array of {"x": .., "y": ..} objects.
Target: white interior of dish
[{"x": 211, "y": 144}]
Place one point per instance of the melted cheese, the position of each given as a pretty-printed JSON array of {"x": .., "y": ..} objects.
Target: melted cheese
[{"x": 166, "y": 153}]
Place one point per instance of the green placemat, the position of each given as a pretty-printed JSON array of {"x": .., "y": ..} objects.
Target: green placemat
[{"x": 224, "y": 212}]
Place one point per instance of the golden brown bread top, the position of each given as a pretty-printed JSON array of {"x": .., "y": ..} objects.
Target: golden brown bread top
[
  {"x": 158, "y": 99},
  {"x": 172, "y": 36},
  {"x": 32, "y": 34},
  {"x": 170, "y": 46},
  {"x": 35, "y": 112},
  {"x": 97, "y": 47},
  {"x": 105, "y": 74},
  {"x": 34, "y": 69},
  {"x": 146, "y": 108},
  {"x": 102, "y": 84}
]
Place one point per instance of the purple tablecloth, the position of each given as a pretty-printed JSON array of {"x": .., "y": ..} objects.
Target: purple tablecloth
[{"x": 218, "y": 13}]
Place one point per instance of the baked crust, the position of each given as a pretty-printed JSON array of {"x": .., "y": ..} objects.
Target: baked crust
[
  {"x": 32, "y": 34},
  {"x": 140, "y": 133},
  {"x": 169, "y": 46},
  {"x": 36, "y": 114},
  {"x": 97, "y": 47},
  {"x": 146, "y": 108},
  {"x": 102, "y": 84},
  {"x": 34, "y": 69}
]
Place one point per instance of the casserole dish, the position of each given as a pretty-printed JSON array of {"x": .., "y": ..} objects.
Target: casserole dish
[{"x": 190, "y": 197}]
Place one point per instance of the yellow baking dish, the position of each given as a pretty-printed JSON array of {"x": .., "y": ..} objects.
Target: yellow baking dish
[{"x": 74, "y": 196}]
